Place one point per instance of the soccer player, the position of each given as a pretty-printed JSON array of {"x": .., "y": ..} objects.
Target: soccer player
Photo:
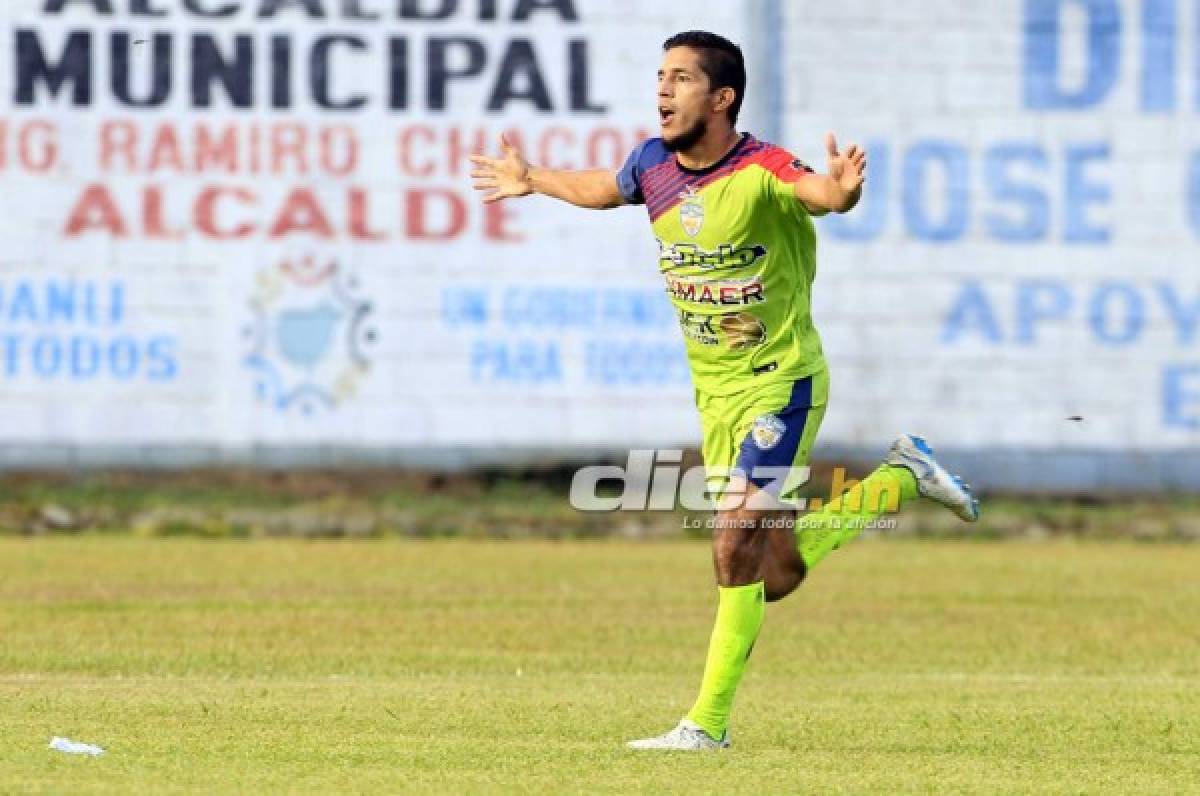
[{"x": 737, "y": 249}]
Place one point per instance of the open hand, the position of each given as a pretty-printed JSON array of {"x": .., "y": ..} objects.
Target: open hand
[
  {"x": 504, "y": 177},
  {"x": 847, "y": 168}
]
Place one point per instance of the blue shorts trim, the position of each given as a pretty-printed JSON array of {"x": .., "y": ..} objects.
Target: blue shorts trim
[{"x": 774, "y": 439}]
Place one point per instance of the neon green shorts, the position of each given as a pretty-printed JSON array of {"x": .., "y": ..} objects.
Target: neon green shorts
[{"x": 764, "y": 434}]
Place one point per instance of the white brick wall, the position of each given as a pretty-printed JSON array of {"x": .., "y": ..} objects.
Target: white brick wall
[{"x": 902, "y": 75}]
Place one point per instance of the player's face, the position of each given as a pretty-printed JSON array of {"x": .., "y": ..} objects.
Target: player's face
[{"x": 685, "y": 98}]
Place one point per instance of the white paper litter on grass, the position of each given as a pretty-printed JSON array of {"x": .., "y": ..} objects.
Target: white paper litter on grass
[{"x": 74, "y": 747}]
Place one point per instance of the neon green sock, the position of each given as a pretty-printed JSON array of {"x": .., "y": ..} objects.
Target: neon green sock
[
  {"x": 739, "y": 618},
  {"x": 882, "y": 492}
]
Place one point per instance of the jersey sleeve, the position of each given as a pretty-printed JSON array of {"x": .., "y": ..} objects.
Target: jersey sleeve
[
  {"x": 629, "y": 178},
  {"x": 784, "y": 169}
]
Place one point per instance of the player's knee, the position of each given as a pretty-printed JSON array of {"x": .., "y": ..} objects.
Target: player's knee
[
  {"x": 735, "y": 540},
  {"x": 739, "y": 546}
]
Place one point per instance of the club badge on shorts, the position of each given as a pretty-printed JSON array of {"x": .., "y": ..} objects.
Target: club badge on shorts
[
  {"x": 767, "y": 431},
  {"x": 691, "y": 211}
]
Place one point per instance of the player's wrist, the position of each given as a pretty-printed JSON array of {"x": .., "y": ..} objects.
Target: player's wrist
[
  {"x": 849, "y": 196},
  {"x": 535, "y": 179}
]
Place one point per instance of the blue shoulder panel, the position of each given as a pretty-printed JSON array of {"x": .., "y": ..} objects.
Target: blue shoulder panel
[{"x": 645, "y": 155}]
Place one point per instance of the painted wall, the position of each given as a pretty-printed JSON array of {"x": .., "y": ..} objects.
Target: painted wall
[
  {"x": 1027, "y": 250},
  {"x": 241, "y": 230}
]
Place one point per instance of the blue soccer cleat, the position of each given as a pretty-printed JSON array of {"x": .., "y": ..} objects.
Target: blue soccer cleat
[{"x": 933, "y": 481}]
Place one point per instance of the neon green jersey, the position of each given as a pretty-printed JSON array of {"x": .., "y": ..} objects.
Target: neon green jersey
[{"x": 738, "y": 252}]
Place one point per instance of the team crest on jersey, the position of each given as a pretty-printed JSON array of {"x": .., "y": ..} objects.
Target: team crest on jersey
[
  {"x": 691, "y": 211},
  {"x": 767, "y": 431}
]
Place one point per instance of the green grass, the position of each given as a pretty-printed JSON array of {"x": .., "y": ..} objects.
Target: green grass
[{"x": 387, "y": 665}]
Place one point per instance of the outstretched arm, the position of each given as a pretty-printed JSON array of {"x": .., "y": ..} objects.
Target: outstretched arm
[
  {"x": 511, "y": 175},
  {"x": 840, "y": 189}
]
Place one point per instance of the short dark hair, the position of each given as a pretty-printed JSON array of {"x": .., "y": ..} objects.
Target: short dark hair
[{"x": 720, "y": 59}]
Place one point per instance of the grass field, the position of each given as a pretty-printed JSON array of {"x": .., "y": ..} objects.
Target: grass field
[{"x": 383, "y": 666}]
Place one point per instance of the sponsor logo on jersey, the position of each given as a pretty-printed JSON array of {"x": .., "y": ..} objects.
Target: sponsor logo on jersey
[
  {"x": 767, "y": 431},
  {"x": 743, "y": 330},
  {"x": 679, "y": 255},
  {"x": 698, "y": 328},
  {"x": 718, "y": 294},
  {"x": 691, "y": 211}
]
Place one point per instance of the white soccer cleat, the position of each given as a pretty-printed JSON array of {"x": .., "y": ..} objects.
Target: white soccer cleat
[
  {"x": 687, "y": 735},
  {"x": 933, "y": 481}
]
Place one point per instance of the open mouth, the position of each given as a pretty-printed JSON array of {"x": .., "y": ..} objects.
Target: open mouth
[{"x": 665, "y": 115}]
